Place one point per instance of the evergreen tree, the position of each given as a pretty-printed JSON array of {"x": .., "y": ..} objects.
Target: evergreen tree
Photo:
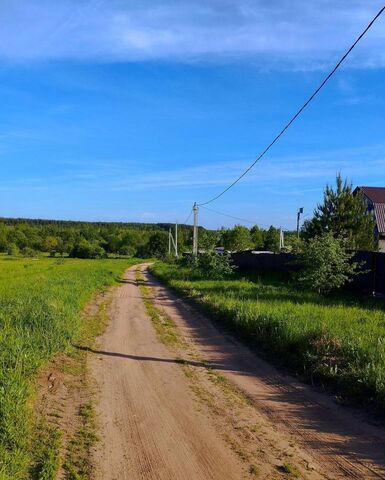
[{"x": 345, "y": 215}]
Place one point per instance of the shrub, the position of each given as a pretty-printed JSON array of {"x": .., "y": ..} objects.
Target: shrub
[
  {"x": 214, "y": 265},
  {"x": 85, "y": 249},
  {"x": 127, "y": 250},
  {"x": 28, "y": 252},
  {"x": 13, "y": 249},
  {"x": 326, "y": 265}
]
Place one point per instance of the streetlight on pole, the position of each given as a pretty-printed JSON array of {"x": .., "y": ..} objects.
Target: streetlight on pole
[{"x": 299, "y": 213}]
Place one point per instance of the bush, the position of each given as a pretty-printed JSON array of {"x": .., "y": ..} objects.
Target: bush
[
  {"x": 13, "y": 249},
  {"x": 85, "y": 249},
  {"x": 214, "y": 265},
  {"x": 326, "y": 266},
  {"x": 28, "y": 252},
  {"x": 157, "y": 246},
  {"x": 127, "y": 250}
]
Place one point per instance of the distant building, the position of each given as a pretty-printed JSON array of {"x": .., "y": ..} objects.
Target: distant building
[{"x": 375, "y": 196}]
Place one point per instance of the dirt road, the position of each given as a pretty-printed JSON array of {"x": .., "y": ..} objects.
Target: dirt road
[{"x": 208, "y": 408}]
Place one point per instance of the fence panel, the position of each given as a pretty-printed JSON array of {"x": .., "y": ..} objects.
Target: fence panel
[{"x": 373, "y": 280}]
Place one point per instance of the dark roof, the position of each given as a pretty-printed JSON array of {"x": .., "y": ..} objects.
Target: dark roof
[
  {"x": 374, "y": 194},
  {"x": 379, "y": 211}
]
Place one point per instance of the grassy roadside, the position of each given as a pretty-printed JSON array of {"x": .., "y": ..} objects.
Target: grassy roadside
[
  {"x": 64, "y": 439},
  {"x": 339, "y": 342},
  {"x": 40, "y": 305}
]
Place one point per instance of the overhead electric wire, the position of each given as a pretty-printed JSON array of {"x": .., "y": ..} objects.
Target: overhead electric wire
[
  {"x": 253, "y": 222},
  {"x": 288, "y": 124},
  {"x": 228, "y": 215},
  {"x": 188, "y": 218}
]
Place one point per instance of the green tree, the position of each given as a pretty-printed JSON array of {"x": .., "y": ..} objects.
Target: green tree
[
  {"x": 50, "y": 244},
  {"x": 271, "y": 239},
  {"x": 345, "y": 215},
  {"x": 325, "y": 264},
  {"x": 256, "y": 237},
  {"x": 207, "y": 239},
  {"x": 237, "y": 238},
  {"x": 157, "y": 246},
  {"x": 13, "y": 249},
  {"x": 86, "y": 249},
  {"x": 293, "y": 244}
]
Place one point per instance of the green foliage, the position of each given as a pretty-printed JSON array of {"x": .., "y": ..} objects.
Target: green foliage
[
  {"x": 28, "y": 252},
  {"x": 46, "y": 453},
  {"x": 77, "y": 463},
  {"x": 50, "y": 244},
  {"x": 40, "y": 304},
  {"x": 208, "y": 239},
  {"x": 293, "y": 244},
  {"x": 257, "y": 237},
  {"x": 157, "y": 246},
  {"x": 334, "y": 339},
  {"x": 127, "y": 250},
  {"x": 214, "y": 265},
  {"x": 85, "y": 249},
  {"x": 13, "y": 249},
  {"x": 60, "y": 237},
  {"x": 237, "y": 238},
  {"x": 325, "y": 264},
  {"x": 345, "y": 215},
  {"x": 271, "y": 239}
]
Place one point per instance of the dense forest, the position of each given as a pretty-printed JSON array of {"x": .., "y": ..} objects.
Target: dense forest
[{"x": 98, "y": 239}]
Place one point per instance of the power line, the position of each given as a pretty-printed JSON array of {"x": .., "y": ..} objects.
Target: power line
[
  {"x": 323, "y": 83},
  {"x": 188, "y": 218},
  {"x": 228, "y": 215},
  {"x": 237, "y": 218}
]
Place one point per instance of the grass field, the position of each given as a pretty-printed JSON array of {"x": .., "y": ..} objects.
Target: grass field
[
  {"x": 338, "y": 342},
  {"x": 40, "y": 304}
]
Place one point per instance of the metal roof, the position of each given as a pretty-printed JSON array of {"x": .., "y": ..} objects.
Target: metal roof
[
  {"x": 374, "y": 194},
  {"x": 376, "y": 197},
  {"x": 379, "y": 211}
]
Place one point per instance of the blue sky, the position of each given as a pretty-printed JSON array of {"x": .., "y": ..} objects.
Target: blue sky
[{"x": 130, "y": 111}]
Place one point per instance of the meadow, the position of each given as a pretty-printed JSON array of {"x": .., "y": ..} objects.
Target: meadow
[
  {"x": 336, "y": 342},
  {"x": 40, "y": 304}
]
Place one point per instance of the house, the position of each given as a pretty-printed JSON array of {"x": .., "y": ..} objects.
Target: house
[{"x": 375, "y": 196}]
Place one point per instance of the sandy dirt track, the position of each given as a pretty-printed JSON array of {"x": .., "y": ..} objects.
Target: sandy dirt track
[
  {"x": 153, "y": 426},
  {"x": 150, "y": 427}
]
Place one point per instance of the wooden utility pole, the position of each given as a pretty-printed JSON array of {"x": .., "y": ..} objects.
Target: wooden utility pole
[
  {"x": 176, "y": 239},
  {"x": 195, "y": 230}
]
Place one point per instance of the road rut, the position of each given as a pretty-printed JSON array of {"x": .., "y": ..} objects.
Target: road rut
[
  {"x": 156, "y": 422},
  {"x": 150, "y": 426}
]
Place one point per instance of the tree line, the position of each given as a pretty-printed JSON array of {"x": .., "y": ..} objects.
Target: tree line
[
  {"x": 85, "y": 239},
  {"x": 28, "y": 237},
  {"x": 342, "y": 215}
]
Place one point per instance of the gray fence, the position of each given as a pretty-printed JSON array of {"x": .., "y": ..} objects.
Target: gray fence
[{"x": 373, "y": 280}]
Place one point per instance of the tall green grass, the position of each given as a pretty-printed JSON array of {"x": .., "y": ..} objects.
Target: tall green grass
[
  {"x": 40, "y": 304},
  {"x": 337, "y": 341}
]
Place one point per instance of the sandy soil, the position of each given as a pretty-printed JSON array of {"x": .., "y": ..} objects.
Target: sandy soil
[
  {"x": 150, "y": 427},
  {"x": 222, "y": 414}
]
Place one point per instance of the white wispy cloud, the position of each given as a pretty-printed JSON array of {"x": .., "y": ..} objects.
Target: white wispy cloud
[
  {"x": 358, "y": 164},
  {"x": 282, "y": 34}
]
